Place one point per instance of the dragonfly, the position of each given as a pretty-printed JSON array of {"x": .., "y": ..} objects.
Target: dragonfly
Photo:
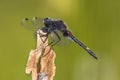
[{"x": 53, "y": 27}]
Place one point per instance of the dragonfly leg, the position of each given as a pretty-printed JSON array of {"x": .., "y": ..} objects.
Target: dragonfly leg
[
  {"x": 55, "y": 42},
  {"x": 41, "y": 35}
]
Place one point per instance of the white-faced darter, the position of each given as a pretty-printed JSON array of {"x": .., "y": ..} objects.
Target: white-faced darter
[{"x": 53, "y": 26}]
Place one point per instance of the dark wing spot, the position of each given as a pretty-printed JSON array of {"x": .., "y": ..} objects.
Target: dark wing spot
[{"x": 26, "y": 19}]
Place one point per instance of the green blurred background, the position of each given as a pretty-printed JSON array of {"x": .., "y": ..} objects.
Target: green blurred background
[{"x": 94, "y": 22}]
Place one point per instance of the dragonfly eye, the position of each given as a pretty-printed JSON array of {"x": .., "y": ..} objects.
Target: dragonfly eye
[
  {"x": 46, "y": 19},
  {"x": 47, "y": 22}
]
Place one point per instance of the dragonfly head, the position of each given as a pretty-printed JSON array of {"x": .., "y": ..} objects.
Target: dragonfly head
[{"x": 47, "y": 22}]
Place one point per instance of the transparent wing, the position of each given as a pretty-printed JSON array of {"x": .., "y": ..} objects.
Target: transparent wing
[
  {"x": 32, "y": 24},
  {"x": 54, "y": 37},
  {"x": 38, "y": 22}
]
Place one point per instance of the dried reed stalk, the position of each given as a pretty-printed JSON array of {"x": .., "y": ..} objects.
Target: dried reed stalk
[{"x": 41, "y": 60}]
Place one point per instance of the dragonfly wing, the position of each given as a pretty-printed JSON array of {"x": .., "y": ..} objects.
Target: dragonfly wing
[
  {"x": 27, "y": 24},
  {"x": 38, "y": 22},
  {"x": 58, "y": 36},
  {"x": 32, "y": 24}
]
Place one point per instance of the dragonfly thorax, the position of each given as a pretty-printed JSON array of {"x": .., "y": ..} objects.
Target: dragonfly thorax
[{"x": 54, "y": 24}]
